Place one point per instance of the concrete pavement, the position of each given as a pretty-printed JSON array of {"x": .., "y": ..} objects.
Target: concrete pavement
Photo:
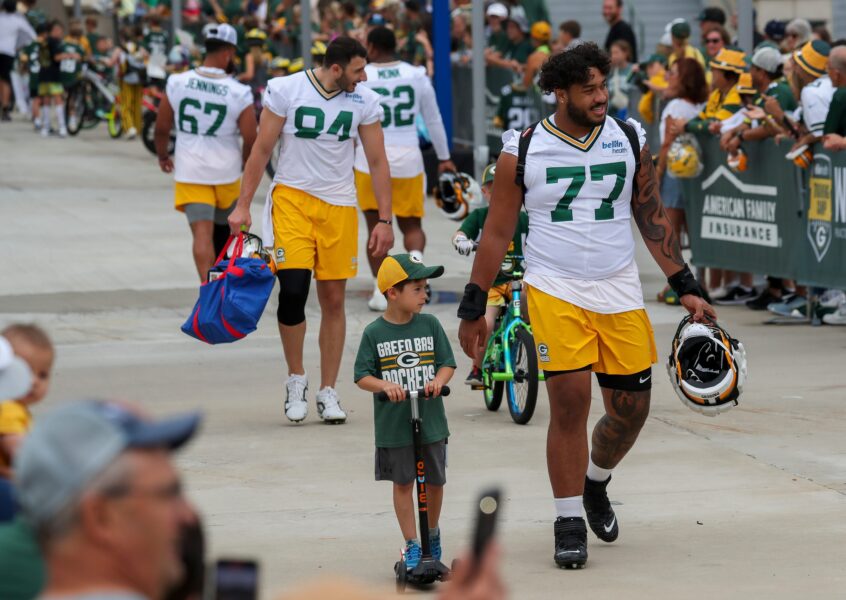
[{"x": 746, "y": 505}]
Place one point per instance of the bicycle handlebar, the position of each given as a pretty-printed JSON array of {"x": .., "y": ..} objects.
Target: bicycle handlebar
[{"x": 383, "y": 397}]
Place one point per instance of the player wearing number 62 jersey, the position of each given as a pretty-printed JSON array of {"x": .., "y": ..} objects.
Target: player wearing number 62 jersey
[
  {"x": 310, "y": 215},
  {"x": 405, "y": 92},
  {"x": 583, "y": 176},
  {"x": 210, "y": 111}
]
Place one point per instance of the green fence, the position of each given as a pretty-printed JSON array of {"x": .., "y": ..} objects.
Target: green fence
[{"x": 774, "y": 218}]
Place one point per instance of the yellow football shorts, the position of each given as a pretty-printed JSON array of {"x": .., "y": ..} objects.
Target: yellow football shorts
[
  {"x": 50, "y": 88},
  {"x": 315, "y": 235},
  {"x": 221, "y": 196},
  {"x": 407, "y": 194},
  {"x": 499, "y": 295},
  {"x": 568, "y": 337}
]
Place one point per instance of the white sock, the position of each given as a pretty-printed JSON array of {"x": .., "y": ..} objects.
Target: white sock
[
  {"x": 595, "y": 473},
  {"x": 45, "y": 118},
  {"x": 418, "y": 254},
  {"x": 568, "y": 507},
  {"x": 60, "y": 115}
]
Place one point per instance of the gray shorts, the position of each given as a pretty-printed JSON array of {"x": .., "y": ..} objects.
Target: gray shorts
[
  {"x": 196, "y": 211},
  {"x": 397, "y": 464}
]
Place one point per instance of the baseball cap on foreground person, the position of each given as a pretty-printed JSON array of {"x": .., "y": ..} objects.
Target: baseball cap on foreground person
[{"x": 96, "y": 483}]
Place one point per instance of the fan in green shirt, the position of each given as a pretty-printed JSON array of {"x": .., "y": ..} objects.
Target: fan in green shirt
[
  {"x": 71, "y": 65},
  {"x": 517, "y": 108}
]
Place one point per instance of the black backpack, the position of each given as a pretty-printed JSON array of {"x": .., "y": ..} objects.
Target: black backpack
[{"x": 526, "y": 139}]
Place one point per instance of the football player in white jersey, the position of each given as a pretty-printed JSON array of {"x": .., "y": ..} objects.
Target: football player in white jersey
[
  {"x": 583, "y": 288},
  {"x": 406, "y": 92},
  {"x": 311, "y": 216},
  {"x": 211, "y": 111}
]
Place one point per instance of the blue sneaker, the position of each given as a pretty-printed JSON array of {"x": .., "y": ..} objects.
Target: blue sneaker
[
  {"x": 413, "y": 553},
  {"x": 786, "y": 307},
  {"x": 435, "y": 543}
]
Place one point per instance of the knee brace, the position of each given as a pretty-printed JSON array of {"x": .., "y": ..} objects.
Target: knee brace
[
  {"x": 637, "y": 382},
  {"x": 293, "y": 294},
  {"x": 220, "y": 235}
]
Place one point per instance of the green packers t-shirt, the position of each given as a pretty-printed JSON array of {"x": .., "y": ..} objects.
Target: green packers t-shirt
[
  {"x": 780, "y": 90},
  {"x": 71, "y": 68},
  {"x": 835, "y": 122},
  {"x": 520, "y": 51},
  {"x": 155, "y": 42},
  {"x": 516, "y": 109},
  {"x": 475, "y": 221},
  {"x": 409, "y": 355}
]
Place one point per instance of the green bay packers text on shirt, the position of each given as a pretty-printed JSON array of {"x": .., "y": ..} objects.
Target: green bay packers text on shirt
[{"x": 408, "y": 362}]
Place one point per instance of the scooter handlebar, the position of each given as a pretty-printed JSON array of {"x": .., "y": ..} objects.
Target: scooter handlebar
[{"x": 383, "y": 397}]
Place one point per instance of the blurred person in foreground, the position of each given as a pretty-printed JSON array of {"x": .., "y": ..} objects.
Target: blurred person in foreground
[
  {"x": 33, "y": 345},
  {"x": 97, "y": 485}
]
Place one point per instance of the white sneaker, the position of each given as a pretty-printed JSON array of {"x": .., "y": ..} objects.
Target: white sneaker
[
  {"x": 296, "y": 407},
  {"x": 63, "y": 132},
  {"x": 45, "y": 133},
  {"x": 328, "y": 407},
  {"x": 838, "y": 317},
  {"x": 832, "y": 298},
  {"x": 132, "y": 133},
  {"x": 377, "y": 302}
]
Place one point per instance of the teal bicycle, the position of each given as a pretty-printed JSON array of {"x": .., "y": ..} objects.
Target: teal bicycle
[{"x": 510, "y": 364}]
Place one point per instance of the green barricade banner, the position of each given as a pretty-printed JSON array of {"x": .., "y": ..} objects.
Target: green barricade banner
[
  {"x": 773, "y": 218},
  {"x": 823, "y": 240}
]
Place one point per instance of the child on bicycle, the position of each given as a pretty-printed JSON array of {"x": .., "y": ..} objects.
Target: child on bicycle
[
  {"x": 401, "y": 351},
  {"x": 464, "y": 241}
]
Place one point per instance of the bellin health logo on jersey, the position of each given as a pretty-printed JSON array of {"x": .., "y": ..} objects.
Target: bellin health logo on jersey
[{"x": 615, "y": 146}]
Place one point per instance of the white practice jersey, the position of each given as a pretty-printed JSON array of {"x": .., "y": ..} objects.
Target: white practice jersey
[
  {"x": 319, "y": 134},
  {"x": 815, "y": 100},
  {"x": 207, "y": 104},
  {"x": 405, "y": 92},
  {"x": 580, "y": 245}
]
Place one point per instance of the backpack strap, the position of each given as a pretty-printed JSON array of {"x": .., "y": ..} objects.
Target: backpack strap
[
  {"x": 631, "y": 134},
  {"x": 522, "y": 151}
]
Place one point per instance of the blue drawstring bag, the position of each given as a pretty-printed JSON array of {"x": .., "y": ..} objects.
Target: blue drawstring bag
[{"x": 230, "y": 306}]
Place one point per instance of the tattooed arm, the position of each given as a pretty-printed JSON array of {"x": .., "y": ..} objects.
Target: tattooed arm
[
  {"x": 651, "y": 218},
  {"x": 658, "y": 234}
]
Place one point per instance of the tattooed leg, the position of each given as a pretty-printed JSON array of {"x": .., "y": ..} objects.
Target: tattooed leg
[{"x": 615, "y": 433}]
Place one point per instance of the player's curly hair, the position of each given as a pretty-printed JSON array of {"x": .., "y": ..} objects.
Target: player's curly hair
[{"x": 572, "y": 66}]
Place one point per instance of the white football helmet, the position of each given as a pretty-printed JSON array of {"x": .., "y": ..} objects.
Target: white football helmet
[
  {"x": 707, "y": 367},
  {"x": 457, "y": 194},
  {"x": 253, "y": 248}
]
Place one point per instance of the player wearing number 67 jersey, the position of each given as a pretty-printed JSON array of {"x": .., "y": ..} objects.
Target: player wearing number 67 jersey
[
  {"x": 584, "y": 176},
  {"x": 209, "y": 109},
  {"x": 406, "y": 92},
  {"x": 310, "y": 215}
]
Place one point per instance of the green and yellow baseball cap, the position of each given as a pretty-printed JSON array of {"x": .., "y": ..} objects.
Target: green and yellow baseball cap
[
  {"x": 813, "y": 57},
  {"x": 730, "y": 60},
  {"x": 488, "y": 173},
  {"x": 401, "y": 267},
  {"x": 744, "y": 84}
]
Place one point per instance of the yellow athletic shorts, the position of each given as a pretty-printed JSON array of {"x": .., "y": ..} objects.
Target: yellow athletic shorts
[
  {"x": 51, "y": 88},
  {"x": 569, "y": 337},
  {"x": 407, "y": 194},
  {"x": 220, "y": 196},
  {"x": 315, "y": 235},
  {"x": 499, "y": 295}
]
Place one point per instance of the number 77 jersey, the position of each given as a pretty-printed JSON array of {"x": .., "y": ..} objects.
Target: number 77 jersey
[
  {"x": 207, "y": 104},
  {"x": 578, "y": 197}
]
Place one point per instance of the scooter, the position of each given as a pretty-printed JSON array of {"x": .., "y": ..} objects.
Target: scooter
[{"x": 429, "y": 570}]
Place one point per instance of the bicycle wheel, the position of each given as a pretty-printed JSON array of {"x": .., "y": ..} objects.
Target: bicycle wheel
[
  {"x": 75, "y": 109},
  {"x": 493, "y": 395},
  {"x": 114, "y": 122},
  {"x": 148, "y": 134},
  {"x": 522, "y": 392}
]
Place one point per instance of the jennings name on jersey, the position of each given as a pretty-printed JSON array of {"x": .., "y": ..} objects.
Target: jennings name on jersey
[
  {"x": 578, "y": 198},
  {"x": 207, "y": 104},
  {"x": 318, "y": 135}
]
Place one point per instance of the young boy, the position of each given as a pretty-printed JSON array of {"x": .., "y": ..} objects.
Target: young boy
[
  {"x": 34, "y": 346},
  {"x": 50, "y": 80},
  {"x": 401, "y": 351},
  {"x": 463, "y": 242}
]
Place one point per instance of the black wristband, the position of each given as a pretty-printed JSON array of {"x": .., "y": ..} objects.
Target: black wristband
[
  {"x": 684, "y": 283},
  {"x": 473, "y": 304},
  {"x": 385, "y": 221}
]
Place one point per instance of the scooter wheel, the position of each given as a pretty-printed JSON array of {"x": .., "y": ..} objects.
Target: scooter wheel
[{"x": 402, "y": 576}]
